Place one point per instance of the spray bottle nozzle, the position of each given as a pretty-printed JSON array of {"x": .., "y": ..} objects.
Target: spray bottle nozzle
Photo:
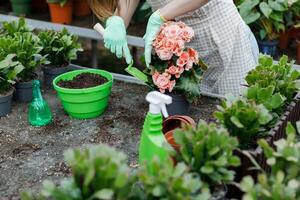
[{"x": 158, "y": 102}]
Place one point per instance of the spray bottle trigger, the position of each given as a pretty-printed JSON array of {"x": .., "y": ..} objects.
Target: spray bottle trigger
[{"x": 164, "y": 110}]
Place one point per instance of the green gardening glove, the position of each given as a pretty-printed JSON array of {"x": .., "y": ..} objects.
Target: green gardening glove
[
  {"x": 153, "y": 28},
  {"x": 115, "y": 38}
]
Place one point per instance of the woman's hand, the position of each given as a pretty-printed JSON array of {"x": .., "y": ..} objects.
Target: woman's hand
[
  {"x": 153, "y": 27},
  {"x": 115, "y": 38}
]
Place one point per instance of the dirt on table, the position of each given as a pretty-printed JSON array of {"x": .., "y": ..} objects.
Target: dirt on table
[
  {"x": 30, "y": 155},
  {"x": 83, "y": 80}
]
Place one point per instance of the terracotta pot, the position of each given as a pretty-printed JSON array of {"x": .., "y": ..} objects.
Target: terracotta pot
[
  {"x": 284, "y": 40},
  {"x": 39, "y": 5},
  {"x": 171, "y": 124},
  {"x": 61, "y": 15},
  {"x": 81, "y": 8},
  {"x": 294, "y": 33},
  {"x": 298, "y": 51}
]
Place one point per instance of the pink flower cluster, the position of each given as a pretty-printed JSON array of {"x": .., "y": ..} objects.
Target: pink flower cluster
[
  {"x": 171, "y": 39},
  {"x": 170, "y": 44}
]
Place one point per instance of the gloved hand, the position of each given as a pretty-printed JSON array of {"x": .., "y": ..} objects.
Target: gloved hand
[
  {"x": 115, "y": 38},
  {"x": 153, "y": 27}
]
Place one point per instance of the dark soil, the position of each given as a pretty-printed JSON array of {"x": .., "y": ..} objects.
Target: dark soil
[{"x": 84, "y": 80}]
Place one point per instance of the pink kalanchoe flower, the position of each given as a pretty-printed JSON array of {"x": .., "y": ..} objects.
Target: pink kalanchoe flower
[
  {"x": 187, "y": 34},
  {"x": 172, "y": 85},
  {"x": 193, "y": 54},
  {"x": 164, "y": 54},
  {"x": 176, "y": 71},
  {"x": 172, "y": 31},
  {"x": 161, "y": 81}
]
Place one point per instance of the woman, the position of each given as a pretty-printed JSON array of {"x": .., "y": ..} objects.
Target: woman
[{"x": 223, "y": 40}]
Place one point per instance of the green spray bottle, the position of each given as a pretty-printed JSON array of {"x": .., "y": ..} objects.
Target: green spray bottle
[
  {"x": 153, "y": 142},
  {"x": 39, "y": 113}
]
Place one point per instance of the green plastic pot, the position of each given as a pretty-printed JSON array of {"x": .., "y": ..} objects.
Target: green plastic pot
[
  {"x": 84, "y": 103},
  {"x": 21, "y": 7}
]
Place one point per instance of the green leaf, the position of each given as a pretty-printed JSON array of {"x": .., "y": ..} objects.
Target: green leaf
[
  {"x": 236, "y": 122},
  {"x": 105, "y": 194},
  {"x": 265, "y": 9}
]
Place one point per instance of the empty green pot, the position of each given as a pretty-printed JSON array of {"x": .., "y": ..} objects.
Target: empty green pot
[{"x": 84, "y": 103}]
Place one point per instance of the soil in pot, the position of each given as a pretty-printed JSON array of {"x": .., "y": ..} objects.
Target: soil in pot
[
  {"x": 84, "y": 80},
  {"x": 61, "y": 14},
  {"x": 82, "y": 100},
  {"x": 5, "y": 103}
]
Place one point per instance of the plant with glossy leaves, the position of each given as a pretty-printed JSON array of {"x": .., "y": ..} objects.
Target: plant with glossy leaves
[{"x": 208, "y": 151}]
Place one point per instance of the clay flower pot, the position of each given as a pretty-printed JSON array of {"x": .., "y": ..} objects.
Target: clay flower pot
[
  {"x": 284, "y": 40},
  {"x": 81, "y": 8},
  {"x": 294, "y": 33},
  {"x": 61, "y": 14},
  {"x": 171, "y": 124}
]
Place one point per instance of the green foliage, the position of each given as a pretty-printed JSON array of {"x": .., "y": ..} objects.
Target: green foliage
[
  {"x": 281, "y": 76},
  {"x": 61, "y": 2},
  {"x": 20, "y": 26},
  {"x": 244, "y": 119},
  {"x": 163, "y": 180},
  {"x": 27, "y": 50},
  {"x": 60, "y": 47},
  {"x": 99, "y": 172},
  {"x": 9, "y": 69},
  {"x": 284, "y": 180},
  {"x": 267, "y": 14},
  {"x": 208, "y": 151},
  {"x": 274, "y": 102}
]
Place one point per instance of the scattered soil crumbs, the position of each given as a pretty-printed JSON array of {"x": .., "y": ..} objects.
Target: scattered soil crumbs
[{"x": 84, "y": 80}]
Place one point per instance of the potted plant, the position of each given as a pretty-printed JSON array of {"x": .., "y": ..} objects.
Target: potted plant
[
  {"x": 284, "y": 179},
  {"x": 243, "y": 119},
  {"x": 175, "y": 69},
  {"x": 26, "y": 48},
  {"x": 81, "y": 8},
  {"x": 21, "y": 7},
  {"x": 101, "y": 172},
  {"x": 98, "y": 172},
  {"x": 61, "y": 11},
  {"x": 60, "y": 48},
  {"x": 9, "y": 69},
  {"x": 267, "y": 19},
  {"x": 208, "y": 151},
  {"x": 291, "y": 18},
  {"x": 164, "y": 180},
  {"x": 17, "y": 26},
  {"x": 84, "y": 93}
]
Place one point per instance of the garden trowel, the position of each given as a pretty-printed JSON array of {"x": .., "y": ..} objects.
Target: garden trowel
[{"x": 135, "y": 72}]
